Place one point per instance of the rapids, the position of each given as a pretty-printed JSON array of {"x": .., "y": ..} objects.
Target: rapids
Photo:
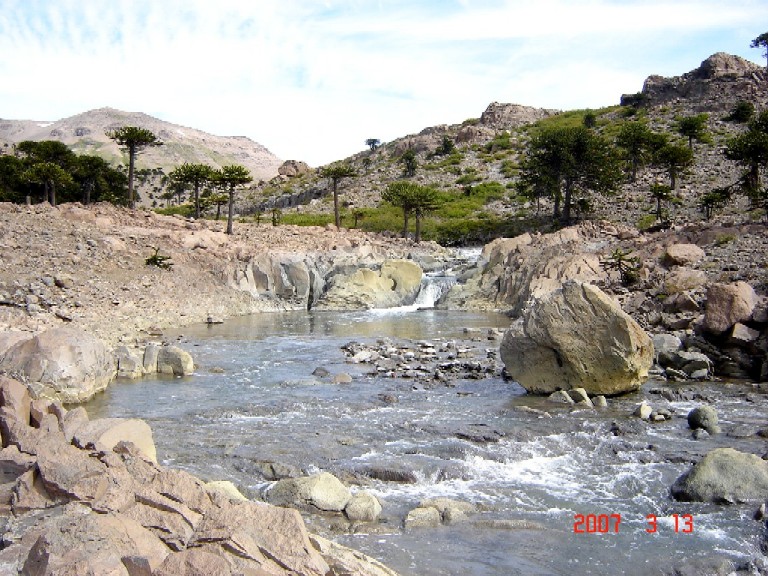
[{"x": 254, "y": 399}]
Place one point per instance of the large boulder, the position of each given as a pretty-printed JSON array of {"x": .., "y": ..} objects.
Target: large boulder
[
  {"x": 396, "y": 284},
  {"x": 724, "y": 475},
  {"x": 174, "y": 360},
  {"x": 577, "y": 337},
  {"x": 322, "y": 491},
  {"x": 728, "y": 304},
  {"x": 683, "y": 254},
  {"x": 62, "y": 363}
]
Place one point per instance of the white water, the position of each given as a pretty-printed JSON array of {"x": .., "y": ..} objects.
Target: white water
[{"x": 266, "y": 406}]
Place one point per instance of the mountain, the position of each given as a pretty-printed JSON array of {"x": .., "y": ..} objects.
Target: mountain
[{"x": 85, "y": 134}]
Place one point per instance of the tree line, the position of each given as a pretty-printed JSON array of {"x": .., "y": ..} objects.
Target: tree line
[{"x": 49, "y": 171}]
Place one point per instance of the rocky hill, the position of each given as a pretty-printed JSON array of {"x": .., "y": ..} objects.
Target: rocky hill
[
  {"x": 488, "y": 150},
  {"x": 85, "y": 133}
]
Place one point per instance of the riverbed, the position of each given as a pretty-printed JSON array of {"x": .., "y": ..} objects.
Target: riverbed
[{"x": 558, "y": 490}]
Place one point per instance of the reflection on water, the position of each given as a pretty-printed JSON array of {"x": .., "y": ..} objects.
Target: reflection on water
[{"x": 254, "y": 399}]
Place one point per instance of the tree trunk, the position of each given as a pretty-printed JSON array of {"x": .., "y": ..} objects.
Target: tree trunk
[
  {"x": 53, "y": 193},
  {"x": 567, "y": 202},
  {"x": 405, "y": 223},
  {"x": 673, "y": 178},
  {"x": 231, "y": 213},
  {"x": 417, "y": 236},
  {"x": 556, "y": 210},
  {"x": 131, "y": 161},
  {"x": 336, "y": 217},
  {"x": 197, "y": 200}
]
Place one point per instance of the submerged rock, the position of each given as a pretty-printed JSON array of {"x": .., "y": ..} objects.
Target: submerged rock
[{"x": 577, "y": 337}]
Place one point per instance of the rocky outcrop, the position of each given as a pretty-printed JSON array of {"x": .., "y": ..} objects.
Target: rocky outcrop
[
  {"x": 715, "y": 85},
  {"x": 62, "y": 363},
  {"x": 500, "y": 116},
  {"x": 514, "y": 270},
  {"x": 293, "y": 168},
  {"x": 577, "y": 337},
  {"x": 724, "y": 476},
  {"x": 396, "y": 283},
  {"x": 101, "y": 505}
]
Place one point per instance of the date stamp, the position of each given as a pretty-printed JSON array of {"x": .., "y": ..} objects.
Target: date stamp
[{"x": 610, "y": 523}]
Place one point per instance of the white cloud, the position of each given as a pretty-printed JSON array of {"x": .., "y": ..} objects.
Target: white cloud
[{"x": 313, "y": 80}]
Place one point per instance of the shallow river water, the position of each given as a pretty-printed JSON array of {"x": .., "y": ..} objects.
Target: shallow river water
[{"x": 253, "y": 399}]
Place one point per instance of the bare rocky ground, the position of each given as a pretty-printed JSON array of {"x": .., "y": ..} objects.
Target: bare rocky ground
[{"x": 85, "y": 266}]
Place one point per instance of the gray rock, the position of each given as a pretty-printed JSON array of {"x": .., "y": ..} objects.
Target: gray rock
[
  {"x": 704, "y": 417},
  {"x": 322, "y": 491},
  {"x": 363, "y": 507},
  {"x": 724, "y": 475},
  {"x": 643, "y": 411},
  {"x": 423, "y": 518},
  {"x": 580, "y": 396},
  {"x": 129, "y": 365},
  {"x": 577, "y": 336},
  {"x": 174, "y": 360},
  {"x": 561, "y": 397},
  {"x": 666, "y": 343}
]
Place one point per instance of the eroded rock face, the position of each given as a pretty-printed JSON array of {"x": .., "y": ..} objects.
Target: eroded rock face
[
  {"x": 292, "y": 168},
  {"x": 724, "y": 475},
  {"x": 64, "y": 363},
  {"x": 395, "y": 284},
  {"x": 577, "y": 337}
]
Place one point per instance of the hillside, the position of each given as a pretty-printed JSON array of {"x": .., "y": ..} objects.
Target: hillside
[
  {"x": 482, "y": 168},
  {"x": 85, "y": 133}
]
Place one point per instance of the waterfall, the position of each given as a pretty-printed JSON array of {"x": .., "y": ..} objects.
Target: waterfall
[{"x": 433, "y": 286}]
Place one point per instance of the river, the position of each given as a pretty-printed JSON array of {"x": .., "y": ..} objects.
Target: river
[{"x": 254, "y": 399}]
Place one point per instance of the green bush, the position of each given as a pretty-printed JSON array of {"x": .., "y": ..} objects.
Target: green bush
[
  {"x": 186, "y": 210},
  {"x": 646, "y": 222}
]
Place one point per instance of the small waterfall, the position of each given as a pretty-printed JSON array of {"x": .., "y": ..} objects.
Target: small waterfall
[{"x": 432, "y": 288}]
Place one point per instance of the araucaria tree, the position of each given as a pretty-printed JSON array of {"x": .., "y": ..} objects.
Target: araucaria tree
[
  {"x": 134, "y": 140},
  {"x": 694, "y": 128},
  {"x": 634, "y": 139},
  {"x": 673, "y": 159},
  {"x": 372, "y": 143},
  {"x": 750, "y": 149},
  {"x": 412, "y": 199},
  {"x": 566, "y": 161},
  {"x": 761, "y": 42},
  {"x": 336, "y": 173},
  {"x": 230, "y": 177},
  {"x": 410, "y": 162},
  {"x": 196, "y": 175},
  {"x": 51, "y": 176}
]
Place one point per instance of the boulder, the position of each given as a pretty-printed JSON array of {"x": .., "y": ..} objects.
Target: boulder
[
  {"x": 428, "y": 517},
  {"x": 174, "y": 360},
  {"x": 683, "y": 254},
  {"x": 728, "y": 304},
  {"x": 106, "y": 433},
  {"x": 704, "y": 417},
  {"x": 62, "y": 363},
  {"x": 683, "y": 280},
  {"x": 322, "y": 491},
  {"x": 577, "y": 337},
  {"x": 725, "y": 476},
  {"x": 129, "y": 365},
  {"x": 363, "y": 507},
  {"x": 666, "y": 343},
  {"x": 292, "y": 168},
  {"x": 151, "y": 354}
]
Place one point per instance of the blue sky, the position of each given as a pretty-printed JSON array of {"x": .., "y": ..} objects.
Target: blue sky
[{"x": 313, "y": 80}]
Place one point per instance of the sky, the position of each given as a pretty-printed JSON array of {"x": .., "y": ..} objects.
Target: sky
[{"x": 312, "y": 80}]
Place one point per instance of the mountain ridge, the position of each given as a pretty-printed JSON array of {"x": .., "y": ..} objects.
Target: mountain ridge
[{"x": 85, "y": 133}]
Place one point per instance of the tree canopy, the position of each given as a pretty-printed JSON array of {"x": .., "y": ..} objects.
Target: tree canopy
[
  {"x": 134, "y": 140},
  {"x": 230, "y": 177},
  {"x": 761, "y": 42},
  {"x": 412, "y": 199},
  {"x": 195, "y": 175},
  {"x": 562, "y": 162},
  {"x": 694, "y": 128},
  {"x": 336, "y": 173}
]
